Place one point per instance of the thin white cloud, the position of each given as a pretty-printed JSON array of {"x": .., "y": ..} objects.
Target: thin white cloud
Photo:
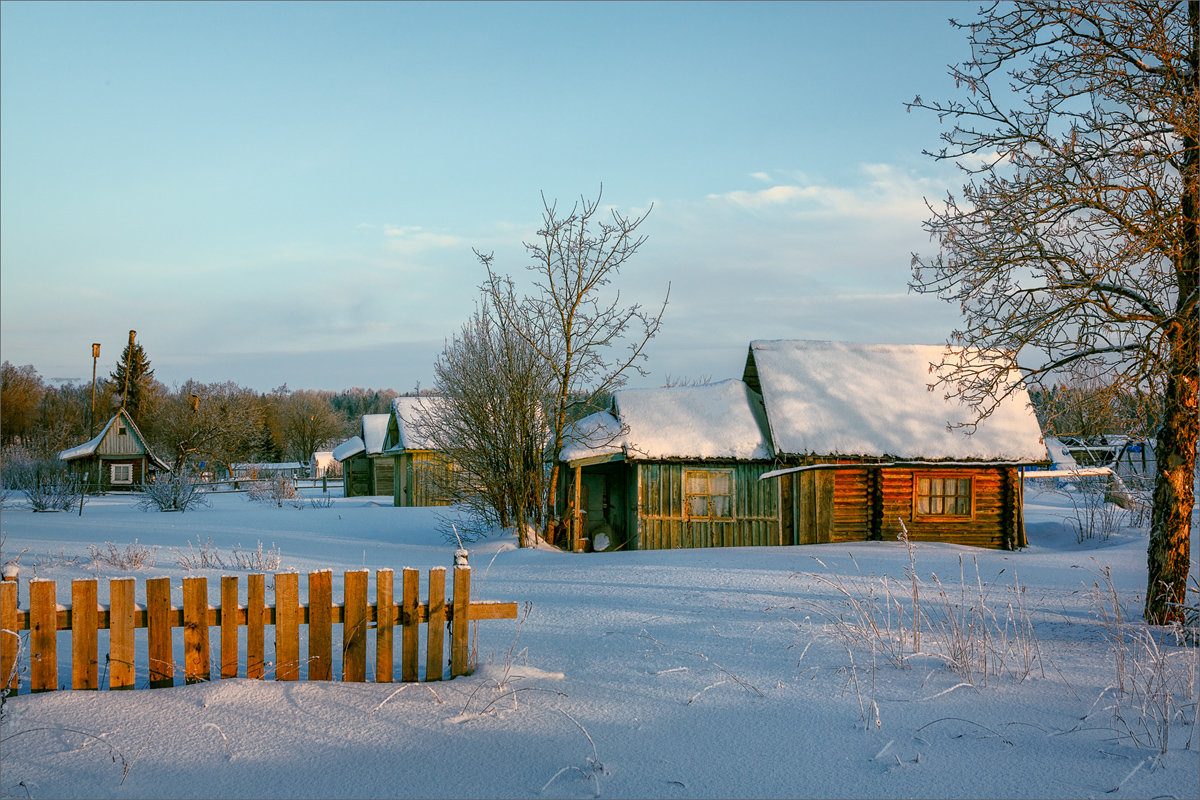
[{"x": 882, "y": 191}]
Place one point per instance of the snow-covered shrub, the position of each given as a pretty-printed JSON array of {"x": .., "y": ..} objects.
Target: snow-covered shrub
[
  {"x": 48, "y": 485},
  {"x": 175, "y": 491},
  {"x": 206, "y": 555},
  {"x": 132, "y": 556},
  {"x": 15, "y": 461},
  {"x": 274, "y": 489},
  {"x": 1095, "y": 516}
]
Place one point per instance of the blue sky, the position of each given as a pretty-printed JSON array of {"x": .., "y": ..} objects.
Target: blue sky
[{"x": 290, "y": 193}]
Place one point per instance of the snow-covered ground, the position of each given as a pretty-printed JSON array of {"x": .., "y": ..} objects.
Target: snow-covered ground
[{"x": 747, "y": 672}]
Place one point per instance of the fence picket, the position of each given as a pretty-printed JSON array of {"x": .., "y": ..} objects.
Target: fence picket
[
  {"x": 195, "y": 630},
  {"x": 158, "y": 633},
  {"x": 121, "y": 671},
  {"x": 256, "y": 605},
  {"x": 43, "y": 636},
  {"x": 10, "y": 640},
  {"x": 287, "y": 626},
  {"x": 85, "y": 620},
  {"x": 229, "y": 626},
  {"x": 436, "y": 633},
  {"x": 354, "y": 627},
  {"x": 320, "y": 626},
  {"x": 460, "y": 622},
  {"x": 384, "y": 624},
  {"x": 410, "y": 632}
]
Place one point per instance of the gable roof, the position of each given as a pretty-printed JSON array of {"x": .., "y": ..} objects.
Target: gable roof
[
  {"x": 409, "y": 413},
  {"x": 351, "y": 447},
  {"x": 874, "y": 400},
  {"x": 717, "y": 420},
  {"x": 374, "y": 431},
  {"x": 90, "y": 447}
]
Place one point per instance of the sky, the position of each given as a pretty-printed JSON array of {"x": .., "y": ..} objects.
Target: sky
[{"x": 292, "y": 194}]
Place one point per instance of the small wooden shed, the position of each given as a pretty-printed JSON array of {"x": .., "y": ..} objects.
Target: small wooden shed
[
  {"x": 117, "y": 458},
  {"x": 366, "y": 471},
  {"x": 418, "y": 467},
  {"x": 671, "y": 468},
  {"x": 866, "y": 444}
]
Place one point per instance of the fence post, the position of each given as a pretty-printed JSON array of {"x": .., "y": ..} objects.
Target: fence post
[
  {"x": 43, "y": 636},
  {"x": 10, "y": 640},
  {"x": 84, "y": 645},
  {"x": 460, "y": 622}
]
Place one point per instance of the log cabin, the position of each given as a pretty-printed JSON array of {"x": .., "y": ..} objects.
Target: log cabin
[{"x": 868, "y": 446}]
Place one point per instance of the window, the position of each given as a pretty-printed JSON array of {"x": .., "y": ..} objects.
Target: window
[
  {"x": 122, "y": 473},
  {"x": 122, "y": 431},
  {"x": 941, "y": 496},
  {"x": 708, "y": 493}
]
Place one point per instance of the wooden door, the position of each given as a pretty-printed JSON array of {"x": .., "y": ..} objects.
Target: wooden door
[{"x": 813, "y": 506}]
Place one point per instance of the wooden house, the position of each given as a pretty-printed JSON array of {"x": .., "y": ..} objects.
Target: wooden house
[
  {"x": 117, "y": 458},
  {"x": 365, "y": 469},
  {"x": 671, "y": 468},
  {"x": 417, "y": 466},
  {"x": 866, "y": 443}
]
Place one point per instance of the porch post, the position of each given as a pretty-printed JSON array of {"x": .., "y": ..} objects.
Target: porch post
[{"x": 576, "y": 513}]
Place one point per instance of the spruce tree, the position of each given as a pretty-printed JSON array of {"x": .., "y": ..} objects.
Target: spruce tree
[{"x": 136, "y": 366}]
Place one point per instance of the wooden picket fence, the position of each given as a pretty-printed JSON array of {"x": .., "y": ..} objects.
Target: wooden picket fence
[{"x": 45, "y": 618}]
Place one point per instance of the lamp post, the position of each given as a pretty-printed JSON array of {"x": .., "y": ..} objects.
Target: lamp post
[
  {"x": 95, "y": 358},
  {"x": 128, "y": 364}
]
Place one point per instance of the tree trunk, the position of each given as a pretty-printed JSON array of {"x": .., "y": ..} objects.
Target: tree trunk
[{"x": 1175, "y": 452}]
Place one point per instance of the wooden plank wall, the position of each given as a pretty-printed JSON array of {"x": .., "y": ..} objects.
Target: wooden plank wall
[
  {"x": 662, "y": 522},
  {"x": 155, "y": 666}
]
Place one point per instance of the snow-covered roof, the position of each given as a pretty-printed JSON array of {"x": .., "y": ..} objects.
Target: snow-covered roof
[
  {"x": 716, "y": 420},
  {"x": 835, "y": 398},
  {"x": 374, "y": 431},
  {"x": 90, "y": 447},
  {"x": 322, "y": 458},
  {"x": 409, "y": 413},
  {"x": 351, "y": 447}
]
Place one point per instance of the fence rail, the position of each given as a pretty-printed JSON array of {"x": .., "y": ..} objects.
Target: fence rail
[{"x": 85, "y": 617}]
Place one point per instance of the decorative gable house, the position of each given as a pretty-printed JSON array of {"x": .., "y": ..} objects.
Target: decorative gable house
[
  {"x": 417, "y": 464},
  {"x": 365, "y": 469},
  {"x": 671, "y": 468},
  {"x": 868, "y": 444},
  {"x": 117, "y": 458}
]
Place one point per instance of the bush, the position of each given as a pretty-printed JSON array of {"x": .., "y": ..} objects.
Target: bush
[
  {"x": 176, "y": 491},
  {"x": 48, "y": 485},
  {"x": 274, "y": 489}
]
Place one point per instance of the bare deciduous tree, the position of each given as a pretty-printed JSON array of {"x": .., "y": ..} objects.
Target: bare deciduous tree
[
  {"x": 307, "y": 423},
  {"x": 213, "y": 422},
  {"x": 489, "y": 423},
  {"x": 589, "y": 340},
  {"x": 1075, "y": 240}
]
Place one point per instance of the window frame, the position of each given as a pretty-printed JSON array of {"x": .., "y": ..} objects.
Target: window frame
[
  {"x": 688, "y": 496},
  {"x": 944, "y": 495},
  {"x": 112, "y": 474}
]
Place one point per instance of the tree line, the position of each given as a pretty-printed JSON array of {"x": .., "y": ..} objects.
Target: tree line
[{"x": 193, "y": 423}]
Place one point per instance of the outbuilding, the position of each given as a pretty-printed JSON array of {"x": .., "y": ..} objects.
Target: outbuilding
[
  {"x": 671, "y": 468},
  {"x": 868, "y": 446},
  {"x": 365, "y": 469},
  {"x": 117, "y": 458},
  {"x": 419, "y": 470}
]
